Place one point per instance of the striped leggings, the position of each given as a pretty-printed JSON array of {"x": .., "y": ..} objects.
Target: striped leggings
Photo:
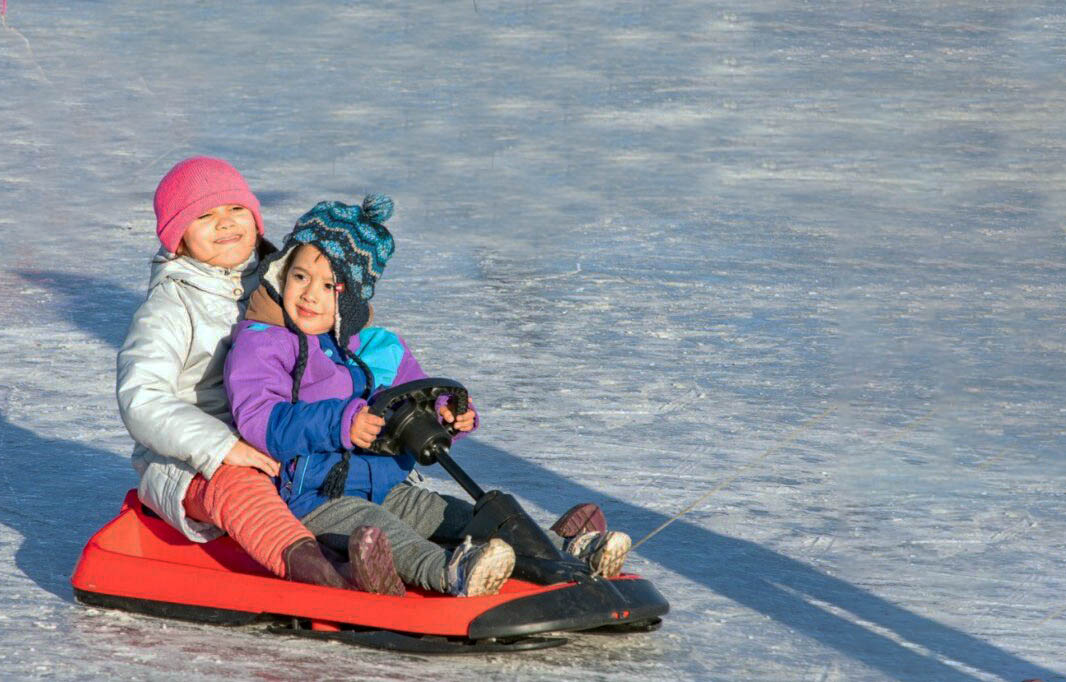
[{"x": 244, "y": 502}]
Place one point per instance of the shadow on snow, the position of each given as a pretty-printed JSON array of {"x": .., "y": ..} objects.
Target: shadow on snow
[
  {"x": 48, "y": 503},
  {"x": 773, "y": 584}
]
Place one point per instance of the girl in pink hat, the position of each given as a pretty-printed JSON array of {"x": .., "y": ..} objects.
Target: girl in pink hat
[{"x": 195, "y": 471}]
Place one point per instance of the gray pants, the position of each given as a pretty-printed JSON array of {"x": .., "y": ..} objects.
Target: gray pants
[{"x": 409, "y": 515}]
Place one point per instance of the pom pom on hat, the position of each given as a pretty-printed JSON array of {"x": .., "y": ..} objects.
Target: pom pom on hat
[{"x": 377, "y": 207}]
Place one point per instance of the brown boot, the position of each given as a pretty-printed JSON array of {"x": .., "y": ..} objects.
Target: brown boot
[
  {"x": 372, "y": 568},
  {"x": 305, "y": 563},
  {"x": 581, "y": 518}
]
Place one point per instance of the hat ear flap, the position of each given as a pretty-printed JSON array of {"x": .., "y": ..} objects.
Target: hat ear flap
[{"x": 353, "y": 314}]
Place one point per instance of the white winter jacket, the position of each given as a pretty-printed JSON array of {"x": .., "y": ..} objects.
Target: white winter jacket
[{"x": 169, "y": 381}]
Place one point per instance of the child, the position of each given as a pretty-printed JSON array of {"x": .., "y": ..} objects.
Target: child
[
  {"x": 195, "y": 472},
  {"x": 302, "y": 367}
]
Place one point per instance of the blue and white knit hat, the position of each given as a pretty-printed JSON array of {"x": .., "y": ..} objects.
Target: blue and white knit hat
[
  {"x": 358, "y": 246},
  {"x": 352, "y": 237}
]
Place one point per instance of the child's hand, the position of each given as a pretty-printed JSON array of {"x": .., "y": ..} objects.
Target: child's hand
[
  {"x": 365, "y": 428},
  {"x": 244, "y": 455},
  {"x": 464, "y": 422}
]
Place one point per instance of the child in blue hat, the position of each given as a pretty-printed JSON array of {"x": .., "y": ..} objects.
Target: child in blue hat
[{"x": 302, "y": 367}]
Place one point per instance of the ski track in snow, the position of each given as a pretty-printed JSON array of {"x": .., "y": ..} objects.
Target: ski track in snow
[{"x": 653, "y": 239}]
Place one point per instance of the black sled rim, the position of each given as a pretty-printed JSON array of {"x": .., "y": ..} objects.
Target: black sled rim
[
  {"x": 161, "y": 609},
  {"x": 587, "y": 605},
  {"x": 628, "y": 628},
  {"x": 388, "y": 640}
]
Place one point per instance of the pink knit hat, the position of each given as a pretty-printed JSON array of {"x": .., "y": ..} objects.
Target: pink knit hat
[{"x": 193, "y": 187}]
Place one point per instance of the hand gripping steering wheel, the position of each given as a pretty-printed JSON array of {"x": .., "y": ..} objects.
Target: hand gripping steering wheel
[{"x": 411, "y": 425}]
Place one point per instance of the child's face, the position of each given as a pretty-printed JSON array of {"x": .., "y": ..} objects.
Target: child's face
[
  {"x": 224, "y": 236},
  {"x": 310, "y": 295}
]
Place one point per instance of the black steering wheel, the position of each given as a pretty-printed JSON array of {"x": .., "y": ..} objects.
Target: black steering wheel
[{"x": 411, "y": 425}]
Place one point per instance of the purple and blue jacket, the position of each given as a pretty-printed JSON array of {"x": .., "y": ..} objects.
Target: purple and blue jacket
[{"x": 309, "y": 436}]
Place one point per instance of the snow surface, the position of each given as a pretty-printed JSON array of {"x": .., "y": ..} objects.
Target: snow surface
[{"x": 805, "y": 258}]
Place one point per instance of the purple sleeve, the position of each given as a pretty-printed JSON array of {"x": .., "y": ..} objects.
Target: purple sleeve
[
  {"x": 258, "y": 376},
  {"x": 409, "y": 369}
]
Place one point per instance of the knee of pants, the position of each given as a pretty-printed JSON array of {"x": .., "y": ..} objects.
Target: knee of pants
[
  {"x": 428, "y": 512},
  {"x": 233, "y": 486},
  {"x": 343, "y": 515}
]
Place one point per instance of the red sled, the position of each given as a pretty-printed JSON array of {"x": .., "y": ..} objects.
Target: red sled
[{"x": 138, "y": 562}]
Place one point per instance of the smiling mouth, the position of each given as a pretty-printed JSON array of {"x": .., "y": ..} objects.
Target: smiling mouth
[
  {"x": 228, "y": 240},
  {"x": 304, "y": 312}
]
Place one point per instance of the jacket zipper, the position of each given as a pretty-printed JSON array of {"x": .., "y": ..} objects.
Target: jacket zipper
[{"x": 300, "y": 471}]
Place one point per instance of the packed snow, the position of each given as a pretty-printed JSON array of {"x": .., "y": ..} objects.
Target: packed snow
[{"x": 801, "y": 262}]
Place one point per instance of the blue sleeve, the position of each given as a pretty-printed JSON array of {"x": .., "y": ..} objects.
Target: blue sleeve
[{"x": 303, "y": 428}]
